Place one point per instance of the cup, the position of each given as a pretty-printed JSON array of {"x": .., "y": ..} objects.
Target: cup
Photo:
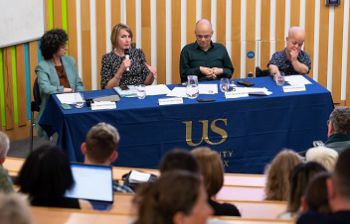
[
  {"x": 279, "y": 79},
  {"x": 192, "y": 89},
  {"x": 232, "y": 85},
  {"x": 79, "y": 100},
  {"x": 141, "y": 91},
  {"x": 224, "y": 84}
]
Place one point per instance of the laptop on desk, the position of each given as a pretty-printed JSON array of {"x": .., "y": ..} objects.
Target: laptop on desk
[{"x": 93, "y": 183}]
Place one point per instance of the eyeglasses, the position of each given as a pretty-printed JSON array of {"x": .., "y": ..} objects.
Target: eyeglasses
[{"x": 203, "y": 36}]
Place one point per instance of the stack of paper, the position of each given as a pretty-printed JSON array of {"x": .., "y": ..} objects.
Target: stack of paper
[
  {"x": 297, "y": 80},
  {"x": 69, "y": 98},
  {"x": 138, "y": 177}
]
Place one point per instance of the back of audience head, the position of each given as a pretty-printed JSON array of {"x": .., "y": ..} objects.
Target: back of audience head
[
  {"x": 4, "y": 146},
  {"x": 14, "y": 209},
  {"x": 316, "y": 195},
  {"x": 212, "y": 169},
  {"x": 178, "y": 159},
  {"x": 176, "y": 197},
  {"x": 323, "y": 155},
  {"x": 300, "y": 178},
  {"x": 45, "y": 174},
  {"x": 339, "y": 121},
  {"x": 100, "y": 146},
  {"x": 278, "y": 174},
  {"x": 338, "y": 185}
]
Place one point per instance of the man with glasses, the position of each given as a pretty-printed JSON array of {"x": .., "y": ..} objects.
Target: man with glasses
[
  {"x": 292, "y": 60},
  {"x": 203, "y": 58}
]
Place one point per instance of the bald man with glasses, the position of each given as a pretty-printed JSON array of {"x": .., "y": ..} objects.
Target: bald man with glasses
[{"x": 203, "y": 58}]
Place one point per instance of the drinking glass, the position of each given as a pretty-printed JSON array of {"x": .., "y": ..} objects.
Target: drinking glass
[
  {"x": 224, "y": 84},
  {"x": 192, "y": 89},
  {"x": 79, "y": 100},
  {"x": 141, "y": 91}
]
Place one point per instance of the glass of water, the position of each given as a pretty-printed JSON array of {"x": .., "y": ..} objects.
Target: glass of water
[
  {"x": 141, "y": 91},
  {"x": 224, "y": 84},
  {"x": 79, "y": 100},
  {"x": 192, "y": 89}
]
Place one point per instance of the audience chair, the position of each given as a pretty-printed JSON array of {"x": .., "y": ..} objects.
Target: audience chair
[
  {"x": 34, "y": 107},
  {"x": 261, "y": 72}
]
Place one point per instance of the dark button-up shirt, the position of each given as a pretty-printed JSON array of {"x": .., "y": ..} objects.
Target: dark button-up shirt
[
  {"x": 280, "y": 59},
  {"x": 192, "y": 57}
]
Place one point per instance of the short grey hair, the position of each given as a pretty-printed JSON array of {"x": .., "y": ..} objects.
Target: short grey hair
[
  {"x": 340, "y": 118},
  {"x": 14, "y": 209},
  {"x": 4, "y": 144}
]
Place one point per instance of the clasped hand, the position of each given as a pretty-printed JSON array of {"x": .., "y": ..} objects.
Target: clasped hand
[{"x": 211, "y": 72}]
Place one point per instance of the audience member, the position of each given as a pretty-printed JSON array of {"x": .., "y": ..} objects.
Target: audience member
[
  {"x": 178, "y": 159},
  {"x": 56, "y": 73},
  {"x": 175, "y": 197},
  {"x": 121, "y": 70},
  {"x": 278, "y": 173},
  {"x": 339, "y": 129},
  {"x": 14, "y": 209},
  {"x": 338, "y": 195},
  {"x": 100, "y": 148},
  {"x": 300, "y": 178},
  {"x": 212, "y": 170},
  {"x": 5, "y": 180},
  {"x": 292, "y": 60},
  {"x": 203, "y": 58},
  {"x": 45, "y": 176},
  {"x": 327, "y": 157},
  {"x": 316, "y": 195}
]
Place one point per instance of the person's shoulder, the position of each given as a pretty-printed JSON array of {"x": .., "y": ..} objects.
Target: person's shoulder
[
  {"x": 190, "y": 46},
  {"x": 68, "y": 59},
  {"x": 304, "y": 54},
  {"x": 219, "y": 45},
  {"x": 312, "y": 217},
  {"x": 43, "y": 65}
]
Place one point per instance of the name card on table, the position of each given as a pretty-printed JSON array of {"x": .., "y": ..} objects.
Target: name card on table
[
  {"x": 170, "y": 101},
  {"x": 103, "y": 105},
  {"x": 294, "y": 88},
  {"x": 232, "y": 95}
]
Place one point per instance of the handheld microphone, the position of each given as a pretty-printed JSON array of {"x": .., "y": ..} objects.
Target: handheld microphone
[{"x": 127, "y": 56}]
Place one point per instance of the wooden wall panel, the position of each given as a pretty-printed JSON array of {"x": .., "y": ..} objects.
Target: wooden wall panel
[
  {"x": 146, "y": 29},
  {"x": 309, "y": 29},
  {"x": 221, "y": 22},
  {"x": 348, "y": 69},
  {"x": 323, "y": 46},
  {"x": 161, "y": 56},
  {"x": 191, "y": 21},
  {"x": 86, "y": 43},
  {"x": 100, "y": 35},
  {"x": 280, "y": 20},
  {"x": 72, "y": 30},
  {"x": 206, "y": 9},
  {"x": 295, "y": 12},
  {"x": 10, "y": 120},
  {"x": 176, "y": 40},
  {"x": 115, "y": 12},
  {"x": 236, "y": 38},
  {"x": 21, "y": 86},
  {"x": 131, "y": 16},
  {"x": 265, "y": 33},
  {"x": 57, "y": 20},
  {"x": 33, "y": 60},
  {"x": 337, "y": 52},
  {"x": 250, "y": 36}
]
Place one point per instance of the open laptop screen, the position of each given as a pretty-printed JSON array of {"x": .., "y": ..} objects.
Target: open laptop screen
[{"x": 92, "y": 182}]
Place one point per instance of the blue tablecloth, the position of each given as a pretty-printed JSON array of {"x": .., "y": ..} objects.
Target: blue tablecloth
[{"x": 248, "y": 132}]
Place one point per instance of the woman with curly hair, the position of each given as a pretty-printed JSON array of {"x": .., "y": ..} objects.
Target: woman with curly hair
[{"x": 57, "y": 73}]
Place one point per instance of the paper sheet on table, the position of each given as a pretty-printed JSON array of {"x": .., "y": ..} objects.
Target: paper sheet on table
[
  {"x": 153, "y": 90},
  {"x": 138, "y": 177},
  {"x": 208, "y": 88},
  {"x": 178, "y": 92},
  {"x": 69, "y": 98},
  {"x": 296, "y": 80}
]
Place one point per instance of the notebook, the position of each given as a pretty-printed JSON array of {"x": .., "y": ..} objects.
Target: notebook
[{"x": 92, "y": 182}]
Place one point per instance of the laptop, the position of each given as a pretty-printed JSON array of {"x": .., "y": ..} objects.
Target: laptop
[{"x": 92, "y": 182}]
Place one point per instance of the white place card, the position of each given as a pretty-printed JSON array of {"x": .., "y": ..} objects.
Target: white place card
[
  {"x": 103, "y": 105},
  {"x": 294, "y": 88},
  {"x": 170, "y": 101},
  {"x": 232, "y": 95},
  {"x": 208, "y": 88},
  {"x": 178, "y": 92}
]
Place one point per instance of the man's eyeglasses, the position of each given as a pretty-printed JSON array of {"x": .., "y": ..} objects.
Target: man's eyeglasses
[{"x": 203, "y": 36}]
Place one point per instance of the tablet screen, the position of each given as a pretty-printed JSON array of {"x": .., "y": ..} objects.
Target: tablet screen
[{"x": 92, "y": 182}]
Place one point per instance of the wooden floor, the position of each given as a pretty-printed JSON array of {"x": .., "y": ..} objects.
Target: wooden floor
[{"x": 246, "y": 191}]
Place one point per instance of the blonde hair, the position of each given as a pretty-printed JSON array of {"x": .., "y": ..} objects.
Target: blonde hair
[
  {"x": 278, "y": 174},
  {"x": 14, "y": 209},
  {"x": 211, "y": 167},
  {"x": 116, "y": 30},
  {"x": 323, "y": 155}
]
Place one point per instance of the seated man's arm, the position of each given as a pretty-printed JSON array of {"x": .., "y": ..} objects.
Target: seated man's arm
[
  {"x": 273, "y": 69},
  {"x": 185, "y": 68},
  {"x": 303, "y": 66},
  {"x": 227, "y": 70}
]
